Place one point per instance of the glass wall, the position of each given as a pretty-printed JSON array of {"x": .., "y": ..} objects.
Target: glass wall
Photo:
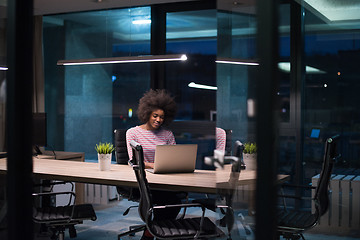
[
  {"x": 193, "y": 33},
  {"x": 332, "y": 103},
  {"x": 332, "y": 106},
  {"x": 86, "y": 103},
  {"x": 2, "y": 74},
  {"x": 327, "y": 104},
  {"x": 236, "y": 40}
]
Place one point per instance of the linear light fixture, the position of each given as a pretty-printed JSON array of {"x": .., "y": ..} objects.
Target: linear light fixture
[
  {"x": 3, "y": 68},
  {"x": 285, "y": 67},
  {"x": 142, "y": 21},
  {"x": 201, "y": 86},
  {"x": 237, "y": 61},
  {"x": 131, "y": 59}
]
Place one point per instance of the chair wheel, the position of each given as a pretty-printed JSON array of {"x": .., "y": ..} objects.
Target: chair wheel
[
  {"x": 72, "y": 231},
  {"x": 54, "y": 235}
]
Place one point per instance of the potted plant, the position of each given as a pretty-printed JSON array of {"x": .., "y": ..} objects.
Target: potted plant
[
  {"x": 104, "y": 151},
  {"x": 250, "y": 150}
]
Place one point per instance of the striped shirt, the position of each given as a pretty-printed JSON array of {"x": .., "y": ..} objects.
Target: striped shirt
[
  {"x": 220, "y": 139},
  {"x": 148, "y": 139}
]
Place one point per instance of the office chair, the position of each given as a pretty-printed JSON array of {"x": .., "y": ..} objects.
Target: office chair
[
  {"x": 132, "y": 194},
  {"x": 226, "y": 193},
  {"x": 122, "y": 157},
  {"x": 292, "y": 223},
  {"x": 58, "y": 218},
  {"x": 228, "y": 144},
  {"x": 183, "y": 228}
]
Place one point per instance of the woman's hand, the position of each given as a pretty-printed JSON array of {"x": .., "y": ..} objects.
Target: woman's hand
[{"x": 149, "y": 165}]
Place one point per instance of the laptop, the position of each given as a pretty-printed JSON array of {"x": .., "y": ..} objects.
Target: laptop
[{"x": 179, "y": 158}]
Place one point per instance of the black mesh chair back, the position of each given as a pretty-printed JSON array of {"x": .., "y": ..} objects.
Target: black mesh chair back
[
  {"x": 228, "y": 143},
  {"x": 291, "y": 223},
  {"x": 121, "y": 153},
  {"x": 139, "y": 169},
  {"x": 322, "y": 190},
  {"x": 130, "y": 193},
  {"x": 122, "y": 157},
  {"x": 180, "y": 228}
]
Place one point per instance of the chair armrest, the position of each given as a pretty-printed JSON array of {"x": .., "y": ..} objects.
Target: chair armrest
[
  {"x": 297, "y": 186},
  {"x": 295, "y": 197},
  {"x": 52, "y": 184},
  {"x": 181, "y": 205},
  {"x": 72, "y": 195}
]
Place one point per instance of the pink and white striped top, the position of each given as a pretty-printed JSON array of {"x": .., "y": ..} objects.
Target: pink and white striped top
[
  {"x": 220, "y": 139},
  {"x": 148, "y": 139}
]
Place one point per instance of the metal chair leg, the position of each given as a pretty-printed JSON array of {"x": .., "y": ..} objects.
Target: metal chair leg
[{"x": 132, "y": 231}]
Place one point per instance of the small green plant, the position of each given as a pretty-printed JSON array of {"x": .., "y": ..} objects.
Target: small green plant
[
  {"x": 250, "y": 148},
  {"x": 104, "y": 148}
]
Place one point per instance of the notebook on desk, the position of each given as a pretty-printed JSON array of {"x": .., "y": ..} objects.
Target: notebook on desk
[{"x": 180, "y": 158}]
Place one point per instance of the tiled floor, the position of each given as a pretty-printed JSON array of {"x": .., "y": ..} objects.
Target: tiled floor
[{"x": 111, "y": 222}]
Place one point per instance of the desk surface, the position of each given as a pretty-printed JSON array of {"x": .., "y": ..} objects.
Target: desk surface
[{"x": 204, "y": 181}]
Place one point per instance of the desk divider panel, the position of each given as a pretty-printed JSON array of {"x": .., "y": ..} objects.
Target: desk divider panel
[
  {"x": 99, "y": 194},
  {"x": 343, "y": 215}
]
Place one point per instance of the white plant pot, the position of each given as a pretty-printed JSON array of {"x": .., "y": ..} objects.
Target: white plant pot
[
  {"x": 104, "y": 161},
  {"x": 250, "y": 161}
]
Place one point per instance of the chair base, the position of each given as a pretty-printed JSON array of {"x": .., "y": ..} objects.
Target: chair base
[
  {"x": 132, "y": 231},
  {"x": 292, "y": 236}
]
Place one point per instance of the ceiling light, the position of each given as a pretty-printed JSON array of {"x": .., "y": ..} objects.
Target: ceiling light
[
  {"x": 285, "y": 66},
  {"x": 134, "y": 59},
  {"x": 201, "y": 86},
  {"x": 237, "y": 61},
  {"x": 3, "y": 68},
  {"x": 142, "y": 21}
]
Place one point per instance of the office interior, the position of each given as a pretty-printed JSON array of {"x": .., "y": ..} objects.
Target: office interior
[{"x": 302, "y": 89}]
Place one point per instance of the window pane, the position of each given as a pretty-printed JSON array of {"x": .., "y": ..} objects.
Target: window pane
[
  {"x": 331, "y": 88},
  {"x": 86, "y": 103},
  {"x": 192, "y": 33}
]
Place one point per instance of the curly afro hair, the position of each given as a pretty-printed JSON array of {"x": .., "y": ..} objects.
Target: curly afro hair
[{"x": 157, "y": 99}]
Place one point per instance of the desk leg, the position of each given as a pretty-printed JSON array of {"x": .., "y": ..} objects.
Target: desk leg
[
  {"x": 80, "y": 193},
  {"x": 245, "y": 196},
  {"x": 251, "y": 208}
]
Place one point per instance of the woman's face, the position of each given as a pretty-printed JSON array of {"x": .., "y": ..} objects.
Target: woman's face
[{"x": 156, "y": 119}]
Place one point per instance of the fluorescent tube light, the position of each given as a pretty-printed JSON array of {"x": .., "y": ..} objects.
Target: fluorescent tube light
[
  {"x": 201, "y": 86},
  {"x": 143, "y": 21},
  {"x": 3, "y": 68},
  {"x": 285, "y": 66},
  {"x": 134, "y": 59},
  {"x": 237, "y": 61}
]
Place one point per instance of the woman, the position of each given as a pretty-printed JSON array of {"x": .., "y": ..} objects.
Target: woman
[{"x": 157, "y": 108}]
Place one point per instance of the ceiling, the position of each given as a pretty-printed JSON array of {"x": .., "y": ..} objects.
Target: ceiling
[
  {"x": 45, "y": 7},
  {"x": 48, "y": 7},
  {"x": 334, "y": 10},
  {"x": 331, "y": 10}
]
